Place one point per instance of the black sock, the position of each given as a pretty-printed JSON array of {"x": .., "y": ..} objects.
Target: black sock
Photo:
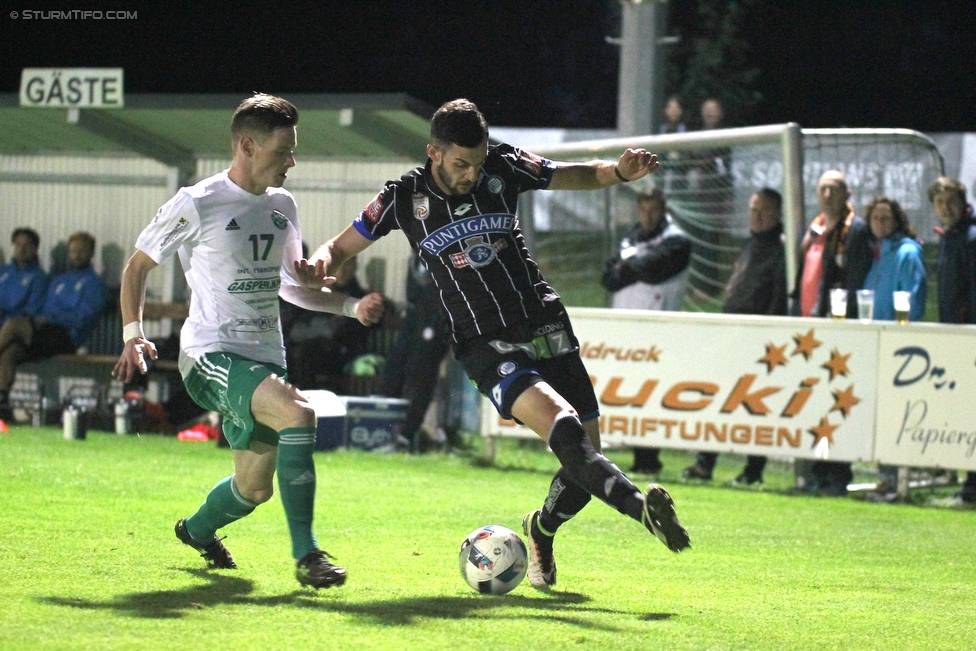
[
  {"x": 592, "y": 471},
  {"x": 565, "y": 500}
]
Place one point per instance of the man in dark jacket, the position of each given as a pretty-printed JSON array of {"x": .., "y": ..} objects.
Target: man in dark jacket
[
  {"x": 757, "y": 286},
  {"x": 649, "y": 272},
  {"x": 956, "y": 271}
]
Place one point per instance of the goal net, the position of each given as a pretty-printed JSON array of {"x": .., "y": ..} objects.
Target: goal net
[{"x": 708, "y": 178}]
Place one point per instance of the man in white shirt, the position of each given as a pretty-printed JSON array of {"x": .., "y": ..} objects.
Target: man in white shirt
[{"x": 238, "y": 239}]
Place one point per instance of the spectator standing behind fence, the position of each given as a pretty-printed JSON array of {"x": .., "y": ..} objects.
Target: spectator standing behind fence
[
  {"x": 956, "y": 270},
  {"x": 757, "y": 286},
  {"x": 648, "y": 272},
  {"x": 512, "y": 334},
  {"x": 897, "y": 266},
  {"x": 414, "y": 362},
  {"x": 22, "y": 281},
  {"x": 71, "y": 308},
  {"x": 673, "y": 166},
  {"x": 835, "y": 252}
]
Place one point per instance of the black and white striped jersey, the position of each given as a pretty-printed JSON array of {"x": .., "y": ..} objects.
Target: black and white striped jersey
[{"x": 471, "y": 244}]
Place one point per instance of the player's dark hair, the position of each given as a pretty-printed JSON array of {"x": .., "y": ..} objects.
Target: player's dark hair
[
  {"x": 902, "y": 225},
  {"x": 30, "y": 233},
  {"x": 947, "y": 184},
  {"x": 773, "y": 197},
  {"x": 653, "y": 194},
  {"x": 458, "y": 122},
  {"x": 87, "y": 238},
  {"x": 262, "y": 114}
]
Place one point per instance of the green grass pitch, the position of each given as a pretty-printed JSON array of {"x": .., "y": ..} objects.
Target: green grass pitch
[{"x": 88, "y": 559}]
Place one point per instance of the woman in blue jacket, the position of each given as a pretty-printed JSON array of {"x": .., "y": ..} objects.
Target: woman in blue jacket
[{"x": 897, "y": 262}]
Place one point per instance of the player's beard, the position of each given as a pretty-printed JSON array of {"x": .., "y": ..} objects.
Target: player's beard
[{"x": 451, "y": 184}]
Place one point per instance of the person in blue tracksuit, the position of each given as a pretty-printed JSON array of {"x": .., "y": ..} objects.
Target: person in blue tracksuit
[
  {"x": 22, "y": 282},
  {"x": 74, "y": 302}
]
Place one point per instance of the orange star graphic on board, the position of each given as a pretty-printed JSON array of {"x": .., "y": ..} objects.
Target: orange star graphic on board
[
  {"x": 823, "y": 431},
  {"x": 844, "y": 400},
  {"x": 805, "y": 344},
  {"x": 837, "y": 364},
  {"x": 775, "y": 356}
]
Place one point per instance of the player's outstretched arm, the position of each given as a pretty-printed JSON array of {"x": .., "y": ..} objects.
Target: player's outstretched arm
[
  {"x": 368, "y": 310},
  {"x": 132, "y": 299},
  {"x": 632, "y": 165},
  {"x": 319, "y": 270}
]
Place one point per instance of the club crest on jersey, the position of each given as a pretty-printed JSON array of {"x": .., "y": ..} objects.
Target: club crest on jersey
[
  {"x": 421, "y": 206},
  {"x": 278, "y": 219},
  {"x": 506, "y": 368},
  {"x": 496, "y": 185}
]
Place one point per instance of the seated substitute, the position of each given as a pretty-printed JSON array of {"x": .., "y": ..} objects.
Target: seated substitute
[
  {"x": 23, "y": 284},
  {"x": 71, "y": 308}
]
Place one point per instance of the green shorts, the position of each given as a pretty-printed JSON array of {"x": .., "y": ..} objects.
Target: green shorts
[{"x": 225, "y": 383}]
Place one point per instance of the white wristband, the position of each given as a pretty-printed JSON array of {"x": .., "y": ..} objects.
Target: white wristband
[
  {"x": 132, "y": 330},
  {"x": 349, "y": 307}
]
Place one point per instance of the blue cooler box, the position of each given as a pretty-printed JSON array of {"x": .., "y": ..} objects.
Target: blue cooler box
[
  {"x": 330, "y": 416},
  {"x": 373, "y": 422}
]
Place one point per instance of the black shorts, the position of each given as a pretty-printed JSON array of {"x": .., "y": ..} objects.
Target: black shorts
[
  {"x": 49, "y": 340},
  {"x": 507, "y": 362}
]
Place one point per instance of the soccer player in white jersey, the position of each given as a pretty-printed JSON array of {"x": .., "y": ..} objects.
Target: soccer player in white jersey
[{"x": 238, "y": 240}]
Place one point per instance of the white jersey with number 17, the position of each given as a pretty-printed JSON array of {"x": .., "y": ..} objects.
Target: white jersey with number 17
[{"x": 236, "y": 249}]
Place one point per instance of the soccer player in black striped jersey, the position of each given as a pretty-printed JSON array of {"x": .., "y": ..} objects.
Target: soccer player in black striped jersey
[{"x": 511, "y": 333}]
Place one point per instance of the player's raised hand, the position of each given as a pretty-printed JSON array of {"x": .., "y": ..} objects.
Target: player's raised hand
[
  {"x": 134, "y": 358},
  {"x": 370, "y": 309},
  {"x": 312, "y": 274},
  {"x": 637, "y": 163}
]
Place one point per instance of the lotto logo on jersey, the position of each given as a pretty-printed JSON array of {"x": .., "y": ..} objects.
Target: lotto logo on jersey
[{"x": 373, "y": 211}]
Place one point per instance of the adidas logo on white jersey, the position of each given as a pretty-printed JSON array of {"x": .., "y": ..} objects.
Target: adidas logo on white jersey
[{"x": 232, "y": 226}]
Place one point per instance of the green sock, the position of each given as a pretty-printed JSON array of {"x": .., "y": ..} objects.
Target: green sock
[
  {"x": 222, "y": 506},
  {"x": 296, "y": 485}
]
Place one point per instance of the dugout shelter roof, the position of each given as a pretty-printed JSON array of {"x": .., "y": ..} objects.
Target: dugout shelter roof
[{"x": 178, "y": 129}]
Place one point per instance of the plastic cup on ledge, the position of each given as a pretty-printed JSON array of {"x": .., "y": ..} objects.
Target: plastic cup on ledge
[
  {"x": 865, "y": 304},
  {"x": 903, "y": 305},
  {"x": 838, "y": 303}
]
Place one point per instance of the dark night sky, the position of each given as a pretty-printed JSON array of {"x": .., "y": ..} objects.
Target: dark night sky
[{"x": 542, "y": 63}]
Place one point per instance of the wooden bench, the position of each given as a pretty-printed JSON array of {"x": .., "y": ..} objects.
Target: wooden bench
[{"x": 42, "y": 386}]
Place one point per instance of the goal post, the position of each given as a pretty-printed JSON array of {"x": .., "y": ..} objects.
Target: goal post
[{"x": 708, "y": 177}]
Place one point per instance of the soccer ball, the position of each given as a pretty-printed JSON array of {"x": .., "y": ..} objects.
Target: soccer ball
[{"x": 493, "y": 559}]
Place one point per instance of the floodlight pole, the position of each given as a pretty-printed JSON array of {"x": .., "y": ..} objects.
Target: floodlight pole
[{"x": 642, "y": 57}]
